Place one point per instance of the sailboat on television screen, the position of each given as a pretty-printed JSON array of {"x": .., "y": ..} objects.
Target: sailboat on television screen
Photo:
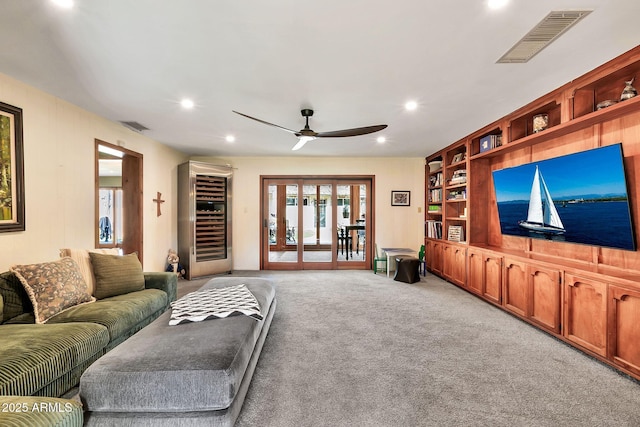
[{"x": 543, "y": 216}]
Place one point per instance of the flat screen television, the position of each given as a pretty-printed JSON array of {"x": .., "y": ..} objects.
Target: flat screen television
[{"x": 577, "y": 198}]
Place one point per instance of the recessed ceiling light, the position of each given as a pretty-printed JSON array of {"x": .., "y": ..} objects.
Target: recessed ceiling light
[
  {"x": 381, "y": 139},
  {"x": 411, "y": 105},
  {"x": 230, "y": 138},
  {"x": 67, "y": 4},
  {"x": 187, "y": 103},
  {"x": 497, "y": 4}
]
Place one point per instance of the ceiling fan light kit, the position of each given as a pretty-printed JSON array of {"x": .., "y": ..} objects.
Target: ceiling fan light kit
[
  {"x": 301, "y": 141},
  {"x": 307, "y": 134}
]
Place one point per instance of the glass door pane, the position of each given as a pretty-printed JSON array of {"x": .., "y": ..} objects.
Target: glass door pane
[
  {"x": 344, "y": 219},
  {"x": 106, "y": 215},
  {"x": 282, "y": 223},
  {"x": 317, "y": 223},
  {"x": 351, "y": 227},
  {"x": 361, "y": 222}
]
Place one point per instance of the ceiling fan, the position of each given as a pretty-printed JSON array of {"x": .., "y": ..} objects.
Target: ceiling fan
[{"x": 307, "y": 134}]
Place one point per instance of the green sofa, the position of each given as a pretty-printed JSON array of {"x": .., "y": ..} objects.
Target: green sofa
[{"x": 47, "y": 359}]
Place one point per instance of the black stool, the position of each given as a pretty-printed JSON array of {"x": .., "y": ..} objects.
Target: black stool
[{"x": 407, "y": 270}]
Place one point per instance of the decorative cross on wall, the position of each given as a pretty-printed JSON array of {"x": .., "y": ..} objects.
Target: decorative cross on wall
[{"x": 158, "y": 200}]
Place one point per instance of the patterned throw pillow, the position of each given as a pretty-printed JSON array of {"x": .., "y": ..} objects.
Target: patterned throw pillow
[
  {"x": 214, "y": 304},
  {"x": 53, "y": 286},
  {"x": 116, "y": 274}
]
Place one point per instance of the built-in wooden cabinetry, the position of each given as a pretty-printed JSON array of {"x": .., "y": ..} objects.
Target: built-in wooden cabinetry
[{"x": 587, "y": 296}]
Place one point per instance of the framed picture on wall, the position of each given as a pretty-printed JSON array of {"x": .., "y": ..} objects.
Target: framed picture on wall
[
  {"x": 401, "y": 198},
  {"x": 11, "y": 169}
]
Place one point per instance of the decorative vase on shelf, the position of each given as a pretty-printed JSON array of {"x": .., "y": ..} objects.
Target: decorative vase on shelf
[
  {"x": 540, "y": 122},
  {"x": 629, "y": 91}
]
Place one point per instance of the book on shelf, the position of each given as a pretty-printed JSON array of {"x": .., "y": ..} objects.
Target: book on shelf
[
  {"x": 455, "y": 233},
  {"x": 435, "y": 195},
  {"x": 490, "y": 142},
  {"x": 435, "y": 180},
  {"x": 434, "y": 229},
  {"x": 459, "y": 177},
  {"x": 457, "y": 195}
]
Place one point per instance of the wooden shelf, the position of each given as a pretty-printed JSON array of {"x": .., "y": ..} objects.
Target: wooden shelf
[
  {"x": 522, "y": 126},
  {"x": 453, "y": 160},
  {"x": 454, "y": 186},
  {"x": 610, "y": 113}
]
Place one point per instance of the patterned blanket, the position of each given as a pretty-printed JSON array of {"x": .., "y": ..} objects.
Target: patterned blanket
[{"x": 214, "y": 304}]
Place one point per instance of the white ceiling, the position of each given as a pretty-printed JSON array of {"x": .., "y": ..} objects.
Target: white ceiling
[{"x": 355, "y": 62}]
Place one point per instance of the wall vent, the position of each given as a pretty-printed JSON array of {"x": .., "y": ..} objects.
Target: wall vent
[
  {"x": 550, "y": 28},
  {"x": 135, "y": 126}
]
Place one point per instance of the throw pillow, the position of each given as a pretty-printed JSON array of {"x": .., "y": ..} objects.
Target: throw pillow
[
  {"x": 14, "y": 297},
  {"x": 116, "y": 274},
  {"x": 52, "y": 286},
  {"x": 215, "y": 303},
  {"x": 81, "y": 256}
]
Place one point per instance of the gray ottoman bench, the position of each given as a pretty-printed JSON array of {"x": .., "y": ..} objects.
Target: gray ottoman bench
[{"x": 192, "y": 374}]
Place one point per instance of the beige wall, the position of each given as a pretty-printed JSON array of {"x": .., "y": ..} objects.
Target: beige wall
[
  {"x": 395, "y": 226},
  {"x": 59, "y": 180}
]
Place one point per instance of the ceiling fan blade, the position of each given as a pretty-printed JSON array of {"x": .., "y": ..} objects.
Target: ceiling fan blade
[
  {"x": 301, "y": 141},
  {"x": 266, "y": 123},
  {"x": 351, "y": 132}
]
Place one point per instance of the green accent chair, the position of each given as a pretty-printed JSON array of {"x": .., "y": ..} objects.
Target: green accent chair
[{"x": 379, "y": 257}]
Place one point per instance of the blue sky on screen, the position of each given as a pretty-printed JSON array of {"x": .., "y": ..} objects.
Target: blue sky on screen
[{"x": 598, "y": 171}]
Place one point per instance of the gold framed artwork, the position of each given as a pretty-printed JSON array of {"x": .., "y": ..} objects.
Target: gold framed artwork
[{"x": 11, "y": 169}]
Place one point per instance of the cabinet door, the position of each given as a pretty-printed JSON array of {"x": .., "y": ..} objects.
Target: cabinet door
[
  {"x": 585, "y": 313},
  {"x": 447, "y": 261},
  {"x": 624, "y": 328},
  {"x": 434, "y": 256},
  {"x": 545, "y": 297},
  {"x": 428, "y": 254},
  {"x": 493, "y": 278},
  {"x": 454, "y": 259},
  {"x": 459, "y": 267},
  {"x": 475, "y": 270},
  {"x": 516, "y": 287}
]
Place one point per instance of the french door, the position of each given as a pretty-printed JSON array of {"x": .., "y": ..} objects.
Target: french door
[{"x": 320, "y": 223}]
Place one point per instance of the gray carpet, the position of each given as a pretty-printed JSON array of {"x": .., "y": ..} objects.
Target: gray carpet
[{"x": 351, "y": 348}]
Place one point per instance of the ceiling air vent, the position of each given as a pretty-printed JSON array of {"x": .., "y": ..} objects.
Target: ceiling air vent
[
  {"x": 135, "y": 126},
  {"x": 549, "y": 29}
]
